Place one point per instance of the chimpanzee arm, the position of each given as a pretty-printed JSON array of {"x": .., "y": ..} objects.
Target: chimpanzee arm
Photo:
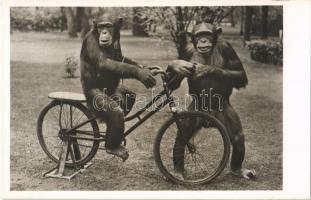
[
  {"x": 130, "y": 61},
  {"x": 105, "y": 64},
  {"x": 174, "y": 78},
  {"x": 122, "y": 70},
  {"x": 233, "y": 71}
]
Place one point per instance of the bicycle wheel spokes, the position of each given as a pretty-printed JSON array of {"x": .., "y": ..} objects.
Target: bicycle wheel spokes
[
  {"x": 196, "y": 155},
  {"x": 207, "y": 155},
  {"x": 53, "y": 123}
]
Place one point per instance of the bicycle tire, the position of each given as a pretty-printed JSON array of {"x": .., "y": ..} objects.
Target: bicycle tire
[{"x": 163, "y": 130}]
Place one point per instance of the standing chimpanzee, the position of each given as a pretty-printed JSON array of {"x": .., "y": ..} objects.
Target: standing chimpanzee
[
  {"x": 102, "y": 66},
  {"x": 217, "y": 69}
]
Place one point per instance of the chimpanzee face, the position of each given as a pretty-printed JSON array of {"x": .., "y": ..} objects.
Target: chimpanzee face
[
  {"x": 204, "y": 43},
  {"x": 105, "y": 31},
  {"x": 204, "y": 37}
]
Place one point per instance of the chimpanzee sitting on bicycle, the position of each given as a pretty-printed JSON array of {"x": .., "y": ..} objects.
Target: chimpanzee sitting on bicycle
[{"x": 102, "y": 66}]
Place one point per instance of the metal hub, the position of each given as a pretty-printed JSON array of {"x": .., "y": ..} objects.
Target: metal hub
[{"x": 62, "y": 134}]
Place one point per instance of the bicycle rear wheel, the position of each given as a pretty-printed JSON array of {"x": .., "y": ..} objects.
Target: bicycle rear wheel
[
  {"x": 192, "y": 148},
  {"x": 61, "y": 116}
]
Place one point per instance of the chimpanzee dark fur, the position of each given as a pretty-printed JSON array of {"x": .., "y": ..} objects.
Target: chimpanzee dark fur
[
  {"x": 219, "y": 71},
  {"x": 101, "y": 71}
]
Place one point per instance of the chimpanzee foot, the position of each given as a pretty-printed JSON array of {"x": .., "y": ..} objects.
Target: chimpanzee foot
[
  {"x": 244, "y": 173},
  {"x": 120, "y": 151},
  {"x": 179, "y": 175}
]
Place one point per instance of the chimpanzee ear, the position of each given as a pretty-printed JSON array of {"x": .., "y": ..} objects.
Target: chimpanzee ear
[
  {"x": 218, "y": 31},
  {"x": 118, "y": 23}
]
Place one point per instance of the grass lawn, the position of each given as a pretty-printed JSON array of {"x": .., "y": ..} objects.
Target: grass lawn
[{"x": 37, "y": 69}]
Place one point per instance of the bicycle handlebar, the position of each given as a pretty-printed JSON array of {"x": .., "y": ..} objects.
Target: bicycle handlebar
[{"x": 155, "y": 70}]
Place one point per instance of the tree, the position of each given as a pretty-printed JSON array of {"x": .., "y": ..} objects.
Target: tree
[
  {"x": 79, "y": 12},
  {"x": 77, "y": 20},
  {"x": 232, "y": 19},
  {"x": 139, "y": 27},
  {"x": 178, "y": 20},
  {"x": 247, "y": 23},
  {"x": 181, "y": 39},
  {"x": 242, "y": 21},
  {"x": 83, "y": 15},
  {"x": 63, "y": 19},
  {"x": 71, "y": 22},
  {"x": 264, "y": 22}
]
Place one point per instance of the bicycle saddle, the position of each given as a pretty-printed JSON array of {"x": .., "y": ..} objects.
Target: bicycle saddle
[{"x": 67, "y": 96}]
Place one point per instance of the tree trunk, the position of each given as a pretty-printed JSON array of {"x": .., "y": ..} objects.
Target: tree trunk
[
  {"x": 78, "y": 15},
  {"x": 138, "y": 29},
  {"x": 232, "y": 19},
  {"x": 181, "y": 42},
  {"x": 63, "y": 19},
  {"x": 264, "y": 22},
  {"x": 71, "y": 23},
  {"x": 84, "y": 21},
  {"x": 242, "y": 21},
  {"x": 248, "y": 23}
]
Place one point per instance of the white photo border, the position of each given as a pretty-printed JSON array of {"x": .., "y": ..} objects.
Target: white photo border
[{"x": 296, "y": 105}]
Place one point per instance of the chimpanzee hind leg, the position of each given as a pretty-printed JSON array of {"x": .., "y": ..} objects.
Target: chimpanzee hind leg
[
  {"x": 107, "y": 109},
  {"x": 232, "y": 122},
  {"x": 127, "y": 99},
  {"x": 187, "y": 128}
]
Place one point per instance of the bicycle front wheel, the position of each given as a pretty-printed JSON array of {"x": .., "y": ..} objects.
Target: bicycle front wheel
[{"x": 192, "y": 148}]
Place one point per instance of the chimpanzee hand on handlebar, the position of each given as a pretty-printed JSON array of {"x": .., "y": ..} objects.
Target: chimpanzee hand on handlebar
[
  {"x": 155, "y": 70},
  {"x": 181, "y": 67},
  {"x": 146, "y": 74}
]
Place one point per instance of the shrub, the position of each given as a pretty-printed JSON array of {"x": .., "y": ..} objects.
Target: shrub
[
  {"x": 71, "y": 65},
  {"x": 266, "y": 51},
  {"x": 36, "y": 19},
  {"x": 21, "y": 18}
]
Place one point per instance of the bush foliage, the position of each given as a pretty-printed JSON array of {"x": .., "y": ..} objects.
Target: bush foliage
[
  {"x": 43, "y": 19},
  {"x": 71, "y": 65},
  {"x": 266, "y": 51}
]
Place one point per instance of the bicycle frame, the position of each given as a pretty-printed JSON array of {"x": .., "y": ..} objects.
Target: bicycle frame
[{"x": 169, "y": 100}]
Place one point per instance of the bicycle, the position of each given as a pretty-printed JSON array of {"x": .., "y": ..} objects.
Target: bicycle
[{"x": 76, "y": 126}]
